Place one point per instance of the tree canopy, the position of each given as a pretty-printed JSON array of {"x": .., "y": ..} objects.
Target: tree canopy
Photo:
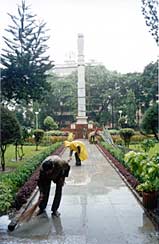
[
  {"x": 149, "y": 10},
  {"x": 24, "y": 59},
  {"x": 50, "y": 124},
  {"x": 10, "y": 131},
  {"x": 150, "y": 121}
]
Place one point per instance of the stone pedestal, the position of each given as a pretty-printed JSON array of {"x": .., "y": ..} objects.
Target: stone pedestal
[
  {"x": 81, "y": 120},
  {"x": 81, "y": 131}
]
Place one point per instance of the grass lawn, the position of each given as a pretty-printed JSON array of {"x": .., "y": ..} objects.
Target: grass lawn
[
  {"x": 152, "y": 151},
  {"x": 29, "y": 151}
]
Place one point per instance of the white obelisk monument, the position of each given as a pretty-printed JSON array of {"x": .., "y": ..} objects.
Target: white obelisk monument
[{"x": 81, "y": 118}]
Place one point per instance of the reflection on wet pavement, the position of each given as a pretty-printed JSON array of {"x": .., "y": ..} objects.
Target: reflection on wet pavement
[{"x": 97, "y": 208}]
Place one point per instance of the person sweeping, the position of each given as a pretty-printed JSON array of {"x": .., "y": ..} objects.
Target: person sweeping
[
  {"x": 53, "y": 169},
  {"x": 79, "y": 149}
]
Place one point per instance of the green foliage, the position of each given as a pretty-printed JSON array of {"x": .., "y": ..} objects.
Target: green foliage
[
  {"x": 106, "y": 96},
  {"x": 137, "y": 137},
  {"x": 38, "y": 136},
  {"x": 61, "y": 101},
  {"x": 29, "y": 151},
  {"x": 148, "y": 186},
  {"x": 10, "y": 131},
  {"x": 147, "y": 144},
  {"x": 114, "y": 132},
  {"x": 145, "y": 169},
  {"x": 135, "y": 162},
  {"x": 115, "y": 151},
  {"x": 50, "y": 124},
  {"x": 117, "y": 139},
  {"x": 126, "y": 135},
  {"x": 149, "y": 10},
  {"x": 47, "y": 140},
  {"x": 53, "y": 136},
  {"x": 149, "y": 83},
  {"x": 25, "y": 133},
  {"x": 24, "y": 59},
  {"x": 57, "y": 133},
  {"x": 150, "y": 120},
  {"x": 6, "y": 197},
  {"x": 10, "y": 128},
  {"x": 130, "y": 109},
  {"x": 122, "y": 122}
]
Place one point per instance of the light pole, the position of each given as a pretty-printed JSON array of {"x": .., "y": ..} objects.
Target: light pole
[
  {"x": 61, "y": 111},
  {"x": 120, "y": 112},
  {"x": 36, "y": 119}
]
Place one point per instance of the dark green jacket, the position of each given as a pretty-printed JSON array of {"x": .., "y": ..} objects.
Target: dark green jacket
[{"x": 60, "y": 169}]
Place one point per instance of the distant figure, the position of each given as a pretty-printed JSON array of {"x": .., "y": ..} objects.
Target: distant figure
[
  {"x": 70, "y": 136},
  {"x": 54, "y": 169},
  {"x": 80, "y": 151},
  {"x": 84, "y": 133},
  {"x": 92, "y": 136}
]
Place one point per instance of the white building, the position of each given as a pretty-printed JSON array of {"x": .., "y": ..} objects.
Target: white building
[{"x": 70, "y": 66}]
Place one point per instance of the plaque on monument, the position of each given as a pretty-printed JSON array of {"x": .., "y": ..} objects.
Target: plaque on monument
[
  {"x": 90, "y": 126},
  {"x": 73, "y": 126}
]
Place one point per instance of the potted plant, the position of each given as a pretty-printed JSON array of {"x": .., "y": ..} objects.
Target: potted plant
[
  {"x": 150, "y": 185},
  {"x": 149, "y": 193}
]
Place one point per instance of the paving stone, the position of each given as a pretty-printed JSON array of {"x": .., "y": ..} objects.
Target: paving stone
[{"x": 96, "y": 208}]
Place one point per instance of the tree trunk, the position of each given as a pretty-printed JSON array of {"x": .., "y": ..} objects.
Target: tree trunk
[
  {"x": 36, "y": 147},
  {"x": 20, "y": 152},
  {"x": 3, "y": 149},
  {"x": 155, "y": 134},
  {"x": 16, "y": 151}
]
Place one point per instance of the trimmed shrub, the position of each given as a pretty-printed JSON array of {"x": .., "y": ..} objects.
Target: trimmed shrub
[
  {"x": 115, "y": 151},
  {"x": 56, "y": 133},
  {"x": 126, "y": 135}
]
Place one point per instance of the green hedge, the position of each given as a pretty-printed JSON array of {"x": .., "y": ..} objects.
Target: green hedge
[
  {"x": 115, "y": 151},
  {"x": 11, "y": 182},
  {"x": 56, "y": 133}
]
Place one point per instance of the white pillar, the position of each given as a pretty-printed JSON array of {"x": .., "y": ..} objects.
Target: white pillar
[{"x": 81, "y": 118}]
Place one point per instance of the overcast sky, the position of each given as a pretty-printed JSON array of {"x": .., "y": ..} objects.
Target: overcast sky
[{"x": 114, "y": 30}]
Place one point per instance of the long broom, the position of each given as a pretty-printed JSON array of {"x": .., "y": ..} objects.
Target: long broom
[{"x": 25, "y": 216}]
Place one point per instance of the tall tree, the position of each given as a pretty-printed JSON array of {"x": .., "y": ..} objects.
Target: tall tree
[
  {"x": 10, "y": 131},
  {"x": 150, "y": 83},
  {"x": 131, "y": 109},
  {"x": 61, "y": 101},
  {"x": 25, "y": 62},
  {"x": 50, "y": 123},
  {"x": 149, "y": 10},
  {"x": 150, "y": 120}
]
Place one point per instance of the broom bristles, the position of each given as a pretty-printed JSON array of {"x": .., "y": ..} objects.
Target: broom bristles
[{"x": 26, "y": 216}]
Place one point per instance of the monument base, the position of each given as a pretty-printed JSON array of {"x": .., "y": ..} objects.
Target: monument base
[
  {"x": 80, "y": 131},
  {"x": 81, "y": 120}
]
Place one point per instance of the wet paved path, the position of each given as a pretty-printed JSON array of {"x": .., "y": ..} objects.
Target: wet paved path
[{"x": 97, "y": 208}]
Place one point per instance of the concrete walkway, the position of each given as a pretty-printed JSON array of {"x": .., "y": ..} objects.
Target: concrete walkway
[{"x": 97, "y": 208}]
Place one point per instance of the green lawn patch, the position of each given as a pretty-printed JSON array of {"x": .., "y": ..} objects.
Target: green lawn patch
[{"x": 29, "y": 151}]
